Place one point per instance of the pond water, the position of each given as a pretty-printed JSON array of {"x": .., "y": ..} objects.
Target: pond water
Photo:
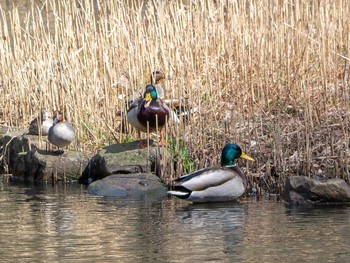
[{"x": 66, "y": 224}]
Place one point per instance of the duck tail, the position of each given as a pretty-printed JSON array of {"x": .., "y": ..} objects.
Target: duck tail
[{"x": 179, "y": 194}]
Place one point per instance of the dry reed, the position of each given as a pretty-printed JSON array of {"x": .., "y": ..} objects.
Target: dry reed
[{"x": 269, "y": 75}]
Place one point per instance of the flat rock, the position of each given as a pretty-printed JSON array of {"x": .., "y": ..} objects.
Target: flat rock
[
  {"x": 122, "y": 158},
  {"x": 303, "y": 190},
  {"x": 134, "y": 185}
]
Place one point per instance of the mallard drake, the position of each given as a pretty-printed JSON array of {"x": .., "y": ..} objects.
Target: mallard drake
[
  {"x": 61, "y": 133},
  {"x": 41, "y": 124},
  {"x": 149, "y": 111},
  {"x": 225, "y": 183}
]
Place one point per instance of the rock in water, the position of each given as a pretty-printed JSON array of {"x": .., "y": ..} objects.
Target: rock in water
[{"x": 303, "y": 190}]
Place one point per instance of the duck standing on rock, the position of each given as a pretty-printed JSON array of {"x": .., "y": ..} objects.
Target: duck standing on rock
[
  {"x": 149, "y": 113},
  {"x": 41, "y": 124},
  {"x": 61, "y": 133},
  {"x": 225, "y": 183}
]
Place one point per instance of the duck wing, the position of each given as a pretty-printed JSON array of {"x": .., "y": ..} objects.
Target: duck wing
[
  {"x": 136, "y": 104},
  {"x": 205, "y": 178},
  {"x": 132, "y": 113}
]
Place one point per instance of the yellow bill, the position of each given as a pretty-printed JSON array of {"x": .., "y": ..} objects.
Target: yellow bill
[
  {"x": 247, "y": 157},
  {"x": 148, "y": 97}
]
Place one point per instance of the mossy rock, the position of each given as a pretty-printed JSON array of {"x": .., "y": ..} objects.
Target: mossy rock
[{"x": 123, "y": 158}]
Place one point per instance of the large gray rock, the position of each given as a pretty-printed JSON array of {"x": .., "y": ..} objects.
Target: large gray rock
[
  {"x": 48, "y": 166},
  {"x": 29, "y": 157},
  {"x": 134, "y": 185},
  {"x": 14, "y": 143},
  {"x": 302, "y": 190},
  {"x": 122, "y": 159}
]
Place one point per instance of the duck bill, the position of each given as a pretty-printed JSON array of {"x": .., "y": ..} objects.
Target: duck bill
[
  {"x": 247, "y": 157},
  {"x": 148, "y": 100},
  {"x": 148, "y": 97}
]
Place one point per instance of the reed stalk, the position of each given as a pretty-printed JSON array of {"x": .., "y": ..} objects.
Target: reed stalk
[{"x": 269, "y": 75}]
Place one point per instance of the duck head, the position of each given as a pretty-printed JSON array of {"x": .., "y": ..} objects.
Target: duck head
[
  {"x": 157, "y": 76},
  {"x": 231, "y": 152},
  {"x": 45, "y": 115},
  {"x": 58, "y": 118},
  {"x": 150, "y": 94}
]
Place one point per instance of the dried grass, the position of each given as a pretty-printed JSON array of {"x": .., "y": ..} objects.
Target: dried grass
[{"x": 268, "y": 75}]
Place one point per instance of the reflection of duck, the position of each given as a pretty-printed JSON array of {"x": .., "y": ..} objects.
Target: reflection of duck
[
  {"x": 62, "y": 133},
  {"x": 43, "y": 121},
  {"x": 148, "y": 113},
  {"x": 226, "y": 183}
]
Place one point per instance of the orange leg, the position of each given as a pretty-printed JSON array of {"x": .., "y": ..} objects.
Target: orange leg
[
  {"x": 161, "y": 143},
  {"x": 141, "y": 144}
]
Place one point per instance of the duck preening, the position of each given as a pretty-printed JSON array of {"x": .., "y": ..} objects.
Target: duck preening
[
  {"x": 225, "y": 183},
  {"x": 61, "y": 133},
  {"x": 156, "y": 77},
  {"x": 148, "y": 114},
  {"x": 181, "y": 110},
  {"x": 41, "y": 124}
]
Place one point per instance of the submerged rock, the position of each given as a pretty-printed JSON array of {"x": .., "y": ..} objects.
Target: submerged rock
[
  {"x": 128, "y": 185},
  {"x": 303, "y": 190}
]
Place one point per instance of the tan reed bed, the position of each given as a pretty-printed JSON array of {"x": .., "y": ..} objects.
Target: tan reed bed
[{"x": 268, "y": 75}]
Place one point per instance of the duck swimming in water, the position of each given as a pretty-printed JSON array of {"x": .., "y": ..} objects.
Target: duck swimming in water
[
  {"x": 61, "y": 133},
  {"x": 148, "y": 113},
  {"x": 225, "y": 183}
]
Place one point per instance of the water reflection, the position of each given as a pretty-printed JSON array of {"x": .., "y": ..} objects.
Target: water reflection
[
  {"x": 42, "y": 223},
  {"x": 312, "y": 234},
  {"x": 211, "y": 231}
]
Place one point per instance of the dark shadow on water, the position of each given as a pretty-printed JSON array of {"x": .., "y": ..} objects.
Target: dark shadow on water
[
  {"x": 212, "y": 205},
  {"x": 317, "y": 211}
]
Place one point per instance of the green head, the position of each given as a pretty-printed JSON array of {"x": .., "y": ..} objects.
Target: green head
[
  {"x": 231, "y": 152},
  {"x": 150, "y": 93}
]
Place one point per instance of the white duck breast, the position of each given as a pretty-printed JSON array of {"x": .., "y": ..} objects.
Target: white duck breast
[{"x": 61, "y": 134}]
